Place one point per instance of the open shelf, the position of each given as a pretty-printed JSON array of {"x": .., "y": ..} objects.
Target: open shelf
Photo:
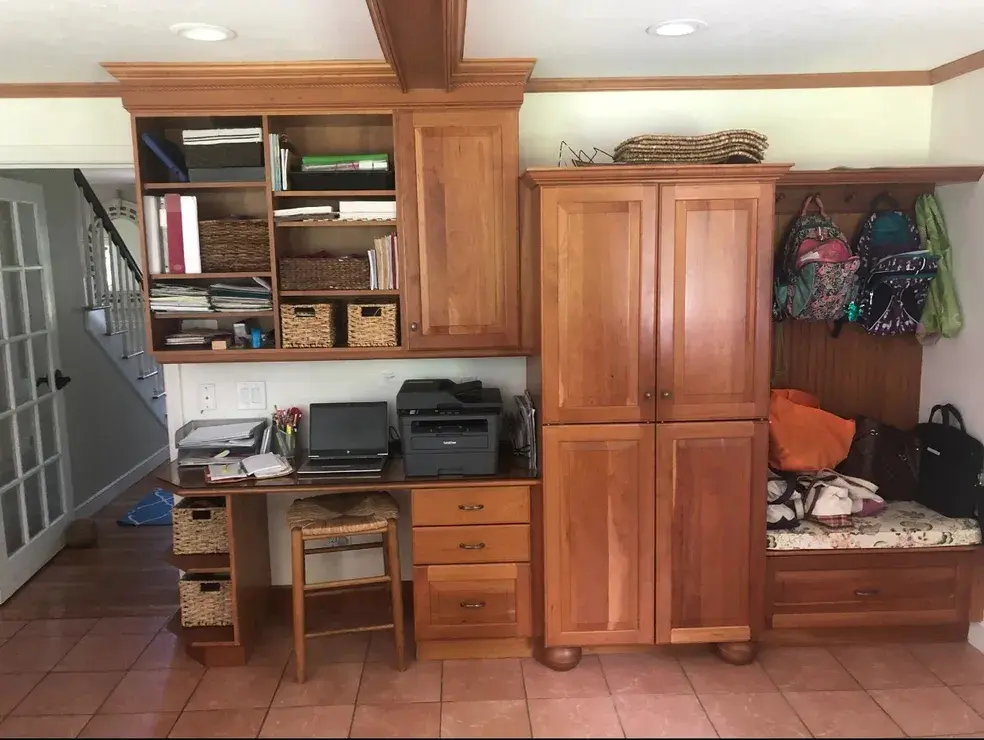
[
  {"x": 335, "y": 223},
  {"x": 203, "y": 563},
  {"x": 207, "y": 275},
  {"x": 212, "y": 314},
  {"x": 172, "y": 186},
  {"x": 334, "y": 194},
  {"x": 335, "y": 293}
]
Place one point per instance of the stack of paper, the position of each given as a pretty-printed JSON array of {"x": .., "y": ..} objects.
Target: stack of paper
[
  {"x": 229, "y": 297},
  {"x": 232, "y": 434},
  {"x": 382, "y": 263},
  {"x": 305, "y": 213},
  {"x": 166, "y": 297},
  {"x": 367, "y": 210},
  {"x": 212, "y": 136}
]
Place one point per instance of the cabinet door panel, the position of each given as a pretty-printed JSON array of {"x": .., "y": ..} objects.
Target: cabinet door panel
[
  {"x": 598, "y": 534},
  {"x": 715, "y": 290},
  {"x": 459, "y": 230},
  {"x": 598, "y": 283},
  {"x": 710, "y": 509}
]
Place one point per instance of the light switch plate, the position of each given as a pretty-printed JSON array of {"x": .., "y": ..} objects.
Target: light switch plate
[{"x": 251, "y": 396}]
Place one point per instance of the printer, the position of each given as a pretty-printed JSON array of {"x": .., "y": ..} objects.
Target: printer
[{"x": 449, "y": 428}]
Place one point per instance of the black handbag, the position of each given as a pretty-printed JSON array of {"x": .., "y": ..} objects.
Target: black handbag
[
  {"x": 951, "y": 465},
  {"x": 886, "y": 456}
]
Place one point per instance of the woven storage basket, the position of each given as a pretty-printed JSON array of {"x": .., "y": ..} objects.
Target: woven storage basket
[
  {"x": 206, "y": 600},
  {"x": 371, "y": 324},
  {"x": 737, "y": 145},
  {"x": 199, "y": 526},
  {"x": 324, "y": 273},
  {"x": 307, "y": 325},
  {"x": 235, "y": 245},
  {"x": 246, "y": 154}
]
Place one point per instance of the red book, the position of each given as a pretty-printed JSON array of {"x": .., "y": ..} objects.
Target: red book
[{"x": 175, "y": 238}]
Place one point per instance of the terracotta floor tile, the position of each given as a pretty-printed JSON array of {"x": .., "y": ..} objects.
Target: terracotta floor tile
[
  {"x": 397, "y": 720},
  {"x": 129, "y": 625},
  {"x": 33, "y": 654},
  {"x": 973, "y": 695},
  {"x": 884, "y": 667},
  {"x": 644, "y": 673},
  {"x": 663, "y": 715},
  {"x": 55, "y": 627},
  {"x": 151, "y": 691},
  {"x": 383, "y": 684},
  {"x": 130, "y": 725},
  {"x": 709, "y": 674},
  {"x": 482, "y": 680},
  {"x": 806, "y": 669},
  {"x": 273, "y": 651},
  {"x": 69, "y": 693},
  {"x": 68, "y": 725},
  {"x": 165, "y": 651},
  {"x": 842, "y": 714},
  {"x": 308, "y": 722},
  {"x": 329, "y": 683},
  {"x": 585, "y": 717},
  {"x": 585, "y": 681},
  {"x": 929, "y": 711},
  {"x": 10, "y": 628},
  {"x": 752, "y": 715},
  {"x": 219, "y": 723},
  {"x": 485, "y": 719},
  {"x": 14, "y": 687},
  {"x": 954, "y": 663},
  {"x": 235, "y": 688},
  {"x": 337, "y": 649},
  {"x": 104, "y": 653},
  {"x": 382, "y": 649}
]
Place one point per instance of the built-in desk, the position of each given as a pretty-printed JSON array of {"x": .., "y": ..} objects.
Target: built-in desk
[{"x": 473, "y": 557}]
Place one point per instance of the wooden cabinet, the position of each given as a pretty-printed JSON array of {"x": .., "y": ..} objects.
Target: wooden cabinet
[
  {"x": 458, "y": 201},
  {"x": 598, "y": 268},
  {"x": 710, "y": 539},
  {"x": 715, "y": 291},
  {"x": 598, "y": 534}
]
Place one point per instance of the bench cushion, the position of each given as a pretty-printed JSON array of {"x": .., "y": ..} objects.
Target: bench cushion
[{"x": 903, "y": 524}]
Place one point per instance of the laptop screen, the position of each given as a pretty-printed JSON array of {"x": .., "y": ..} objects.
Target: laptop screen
[{"x": 348, "y": 429}]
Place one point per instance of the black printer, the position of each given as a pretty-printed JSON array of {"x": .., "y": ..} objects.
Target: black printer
[{"x": 449, "y": 428}]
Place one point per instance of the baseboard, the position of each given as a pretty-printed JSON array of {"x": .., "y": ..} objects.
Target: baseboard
[
  {"x": 975, "y": 636},
  {"x": 98, "y": 500}
]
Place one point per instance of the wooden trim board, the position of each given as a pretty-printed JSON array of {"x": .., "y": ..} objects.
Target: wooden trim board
[{"x": 60, "y": 90}]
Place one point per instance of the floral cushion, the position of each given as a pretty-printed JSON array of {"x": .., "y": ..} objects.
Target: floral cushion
[{"x": 901, "y": 524}]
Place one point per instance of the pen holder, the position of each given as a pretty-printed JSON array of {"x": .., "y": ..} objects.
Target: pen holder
[{"x": 285, "y": 444}]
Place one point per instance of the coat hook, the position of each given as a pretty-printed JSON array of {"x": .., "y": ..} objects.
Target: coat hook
[
  {"x": 780, "y": 196},
  {"x": 849, "y": 197}
]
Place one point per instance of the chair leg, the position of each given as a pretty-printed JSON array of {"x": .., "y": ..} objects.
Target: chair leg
[
  {"x": 396, "y": 591},
  {"x": 297, "y": 594}
]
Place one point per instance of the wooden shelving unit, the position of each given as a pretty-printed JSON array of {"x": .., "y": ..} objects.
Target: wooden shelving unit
[
  {"x": 334, "y": 194},
  {"x": 179, "y": 186},
  {"x": 334, "y": 224},
  {"x": 336, "y": 293},
  {"x": 208, "y": 275}
]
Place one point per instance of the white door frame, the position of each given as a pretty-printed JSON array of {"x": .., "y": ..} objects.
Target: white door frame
[{"x": 17, "y": 568}]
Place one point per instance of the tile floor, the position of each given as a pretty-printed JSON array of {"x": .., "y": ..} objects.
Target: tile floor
[{"x": 83, "y": 658}]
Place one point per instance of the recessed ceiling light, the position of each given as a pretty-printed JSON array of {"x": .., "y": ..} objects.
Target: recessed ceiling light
[
  {"x": 203, "y": 32},
  {"x": 680, "y": 27}
]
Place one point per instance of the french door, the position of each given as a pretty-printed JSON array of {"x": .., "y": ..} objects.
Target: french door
[{"x": 34, "y": 487}]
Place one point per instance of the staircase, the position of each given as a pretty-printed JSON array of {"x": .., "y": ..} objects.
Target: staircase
[{"x": 115, "y": 313}]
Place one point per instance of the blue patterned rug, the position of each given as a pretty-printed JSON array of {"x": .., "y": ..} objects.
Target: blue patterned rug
[{"x": 154, "y": 510}]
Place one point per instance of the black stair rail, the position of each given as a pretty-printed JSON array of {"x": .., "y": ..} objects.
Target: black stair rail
[{"x": 107, "y": 224}]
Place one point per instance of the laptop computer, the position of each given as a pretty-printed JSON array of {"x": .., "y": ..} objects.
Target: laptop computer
[{"x": 347, "y": 438}]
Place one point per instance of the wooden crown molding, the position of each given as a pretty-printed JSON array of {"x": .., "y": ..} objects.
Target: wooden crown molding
[
  {"x": 942, "y": 175},
  {"x": 616, "y": 173},
  {"x": 59, "y": 90}
]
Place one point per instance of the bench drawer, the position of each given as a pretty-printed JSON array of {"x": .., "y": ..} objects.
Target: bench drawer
[
  {"x": 471, "y": 601},
  {"x": 834, "y": 589},
  {"x": 493, "y": 543},
  {"x": 462, "y": 506}
]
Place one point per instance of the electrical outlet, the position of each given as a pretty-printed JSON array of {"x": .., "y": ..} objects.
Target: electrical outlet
[
  {"x": 251, "y": 395},
  {"x": 206, "y": 397}
]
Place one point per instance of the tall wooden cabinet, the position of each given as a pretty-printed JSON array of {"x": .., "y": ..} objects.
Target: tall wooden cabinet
[{"x": 655, "y": 296}]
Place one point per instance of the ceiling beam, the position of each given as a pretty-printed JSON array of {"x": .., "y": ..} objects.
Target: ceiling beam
[{"x": 423, "y": 40}]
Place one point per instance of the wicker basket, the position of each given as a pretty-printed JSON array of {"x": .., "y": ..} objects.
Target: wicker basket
[
  {"x": 324, "y": 273},
  {"x": 235, "y": 245},
  {"x": 206, "y": 600},
  {"x": 199, "y": 526},
  {"x": 307, "y": 325},
  {"x": 737, "y": 145},
  {"x": 371, "y": 324}
]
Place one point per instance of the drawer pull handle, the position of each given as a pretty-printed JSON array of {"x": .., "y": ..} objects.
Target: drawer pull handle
[
  {"x": 471, "y": 507},
  {"x": 472, "y": 604},
  {"x": 473, "y": 546},
  {"x": 866, "y": 592}
]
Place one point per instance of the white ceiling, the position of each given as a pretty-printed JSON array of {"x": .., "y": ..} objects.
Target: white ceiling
[
  {"x": 65, "y": 40},
  {"x": 602, "y": 38}
]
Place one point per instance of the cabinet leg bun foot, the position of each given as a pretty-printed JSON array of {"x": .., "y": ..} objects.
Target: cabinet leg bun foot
[
  {"x": 559, "y": 658},
  {"x": 737, "y": 653}
]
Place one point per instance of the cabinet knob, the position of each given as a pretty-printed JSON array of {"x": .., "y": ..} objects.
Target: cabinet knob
[
  {"x": 471, "y": 507},
  {"x": 472, "y": 604},
  {"x": 475, "y": 546},
  {"x": 413, "y": 326},
  {"x": 647, "y": 395},
  {"x": 666, "y": 394}
]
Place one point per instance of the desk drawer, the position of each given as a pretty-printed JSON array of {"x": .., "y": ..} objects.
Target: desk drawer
[
  {"x": 456, "y": 506},
  {"x": 471, "y": 601},
  {"x": 862, "y": 589},
  {"x": 494, "y": 543}
]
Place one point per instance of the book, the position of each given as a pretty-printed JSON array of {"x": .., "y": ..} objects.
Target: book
[
  {"x": 189, "y": 233},
  {"x": 175, "y": 240},
  {"x": 168, "y": 153},
  {"x": 162, "y": 220},
  {"x": 152, "y": 234},
  {"x": 316, "y": 159}
]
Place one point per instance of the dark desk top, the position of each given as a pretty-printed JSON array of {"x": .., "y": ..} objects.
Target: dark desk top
[{"x": 513, "y": 471}]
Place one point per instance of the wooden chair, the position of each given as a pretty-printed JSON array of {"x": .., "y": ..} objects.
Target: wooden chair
[{"x": 337, "y": 515}]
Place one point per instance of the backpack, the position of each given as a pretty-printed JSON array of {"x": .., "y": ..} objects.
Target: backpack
[
  {"x": 941, "y": 316},
  {"x": 896, "y": 272},
  {"x": 816, "y": 272}
]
